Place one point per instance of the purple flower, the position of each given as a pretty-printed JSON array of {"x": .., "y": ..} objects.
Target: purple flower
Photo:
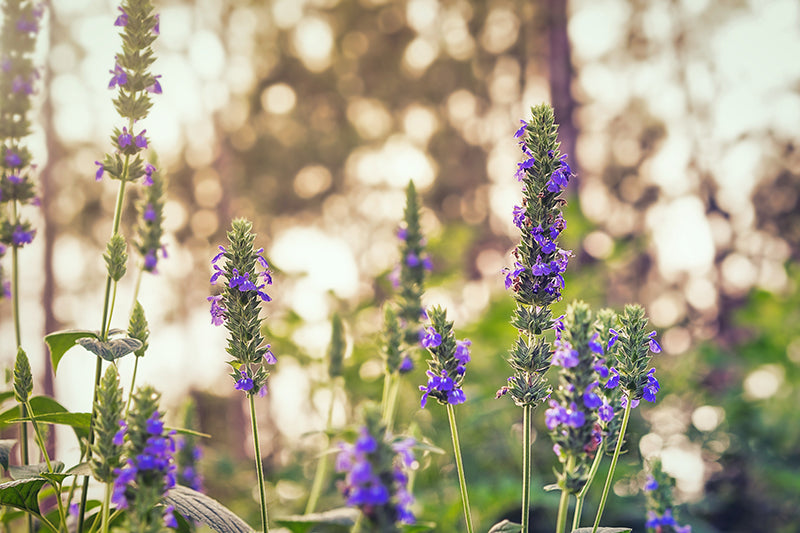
[
  {"x": 521, "y": 131},
  {"x": 591, "y": 400},
  {"x": 406, "y": 365},
  {"x": 149, "y": 213},
  {"x": 613, "y": 381},
  {"x": 624, "y": 403},
  {"x": 15, "y": 179},
  {"x": 269, "y": 357},
  {"x": 365, "y": 443},
  {"x": 519, "y": 216},
  {"x": 522, "y": 166},
  {"x": 456, "y": 396},
  {"x": 430, "y": 338},
  {"x": 13, "y": 159},
  {"x": 141, "y": 140},
  {"x": 155, "y": 87},
  {"x": 555, "y": 416},
  {"x": 511, "y": 275},
  {"x": 150, "y": 261},
  {"x": 20, "y": 237},
  {"x": 651, "y": 484},
  {"x": 595, "y": 346},
  {"x": 412, "y": 260},
  {"x": 575, "y": 417},
  {"x": 652, "y": 387},
  {"x": 156, "y": 28},
  {"x": 119, "y": 77},
  {"x": 217, "y": 311},
  {"x": 100, "y": 169},
  {"x": 119, "y": 436},
  {"x": 613, "y": 338},
  {"x": 605, "y": 412},
  {"x": 169, "y": 517},
  {"x": 122, "y": 19},
  {"x": 564, "y": 355},
  {"x": 124, "y": 138},
  {"x": 154, "y": 425},
  {"x": 654, "y": 346},
  {"x": 462, "y": 351},
  {"x": 244, "y": 383}
]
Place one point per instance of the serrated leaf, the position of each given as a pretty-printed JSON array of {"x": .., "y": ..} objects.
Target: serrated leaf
[
  {"x": 60, "y": 342},
  {"x": 124, "y": 346},
  {"x": 5, "y": 451},
  {"x": 22, "y": 494},
  {"x": 341, "y": 516},
  {"x": 33, "y": 471},
  {"x": 506, "y": 526},
  {"x": 603, "y": 530},
  {"x": 206, "y": 510}
]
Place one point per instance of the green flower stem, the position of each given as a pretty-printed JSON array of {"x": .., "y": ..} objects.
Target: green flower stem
[
  {"x": 392, "y": 405},
  {"x": 104, "y": 327},
  {"x": 563, "y": 504},
  {"x": 106, "y": 508},
  {"x": 598, "y": 458},
  {"x": 357, "y": 524},
  {"x": 526, "y": 467},
  {"x": 460, "y": 465},
  {"x": 38, "y": 437},
  {"x": 613, "y": 462},
  {"x": 322, "y": 466},
  {"x": 136, "y": 359},
  {"x": 259, "y": 467},
  {"x": 387, "y": 384}
]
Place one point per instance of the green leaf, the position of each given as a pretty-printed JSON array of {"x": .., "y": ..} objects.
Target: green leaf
[
  {"x": 201, "y": 508},
  {"x": 33, "y": 471},
  {"x": 603, "y": 530},
  {"x": 75, "y": 420},
  {"x": 80, "y": 469},
  {"x": 420, "y": 526},
  {"x": 6, "y": 395},
  {"x": 111, "y": 350},
  {"x": 342, "y": 516},
  {"x": 506, "y": 526},
  {"x": 61, "y": 341},
  {"x": 124, "y": 346},
  {"x": 184, "y": 431},
  {"x": 5, "y": 451},
  {"x": 22, "y": 494}
]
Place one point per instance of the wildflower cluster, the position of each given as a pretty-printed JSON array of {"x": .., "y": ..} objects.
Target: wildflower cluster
[
  {"x": 151, "y": 216},
  {"x": 376, "y": 476},
  {"x": 17, "y": 79},
  {"x": 447, "y": 364},
  {"x": 238, "y": 305},
  {"x": 660, "y": 511},
  {"x": 134, "y": 83},
  {"x": 577, "y": 406},
  {"x": 149, "y": 469},
  {"x": 537, "y": 278}
]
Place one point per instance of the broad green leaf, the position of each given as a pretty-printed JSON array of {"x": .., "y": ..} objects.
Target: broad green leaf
[
  {"x": 22, "y": 494},
  {"x": 111, "y": 350},
  {"x": 506, "y": 526},
  {"x": 201, "y": 508},
  {"x": 342, "y": 516},
  {"x": 61, "y": 341},
  {"x": 5, "y": 451},
  {"x": 603, "y": 530},
  {"x": 44, "y": 405},
  {"x": 6, "y": 395},
  {"x": 75, "y": 420},
  {"x": 12, "y": 413}
]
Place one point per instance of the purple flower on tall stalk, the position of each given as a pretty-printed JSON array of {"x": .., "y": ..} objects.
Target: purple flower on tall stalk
[
  {"x": 447, "y": 361},
  {"x": 118, "y": 77}
]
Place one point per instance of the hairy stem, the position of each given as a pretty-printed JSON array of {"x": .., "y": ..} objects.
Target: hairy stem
[
  {"x": 460, "y": 466},
  {"x": 613, "y": 463},
  {"x": 259, "y": 467}
]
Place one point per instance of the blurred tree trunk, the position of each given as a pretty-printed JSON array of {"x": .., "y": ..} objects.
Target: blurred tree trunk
[
  {"x": 559, "y": 62},
  {"x": 49, "y": 225}
]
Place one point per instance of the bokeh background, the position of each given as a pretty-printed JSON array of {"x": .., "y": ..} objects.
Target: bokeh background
[{"x": 681, "y": 120}]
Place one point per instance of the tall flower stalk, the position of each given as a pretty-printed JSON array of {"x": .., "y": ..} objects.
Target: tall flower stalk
[
  {"x": 17, "y": 83},
  {"x": 244, "y": 274},
  {"x": 446, "y": 369},
  {"x": 536, "y": 278},
  {"x": 633, "y": 378},
  {"x": 402, "y": 326},
  {"x": 134, "y": 83}
]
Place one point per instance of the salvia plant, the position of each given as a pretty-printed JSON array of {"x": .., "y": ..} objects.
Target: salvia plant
[{"x": 588, "y": 370}]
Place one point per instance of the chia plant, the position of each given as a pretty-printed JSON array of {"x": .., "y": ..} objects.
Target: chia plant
[
  {"x": 446, "y": 370},
  {"x": 536, "y": 280},
  {"x": 376, "y": 474},
  {"x": 658, "y": 489},
  {"x": 238, "y": 307}
]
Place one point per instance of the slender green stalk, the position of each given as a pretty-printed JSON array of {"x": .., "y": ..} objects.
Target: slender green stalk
[
  {"x": 322, "y": 466},
  {"x": 392, "y": 405},
  {"x": 460, "y": 465},
  {"x": 107, "y": 303},
  {"x": 357, "y": 524},
  {"x": 563, "y": 504},
  {"x": 526, "y": 467},
  {"x": 598, "y": 458},
  {"x": 613, "y": 463},
  {"x": 38, "y": 437},
  {"x": 15, "y": 294},
  {"x": 259, "y": 467},
  {"x": 106, "y": 508},
  {"x": 387, "y": 385},
  {"x": 136, "y": 359}
]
